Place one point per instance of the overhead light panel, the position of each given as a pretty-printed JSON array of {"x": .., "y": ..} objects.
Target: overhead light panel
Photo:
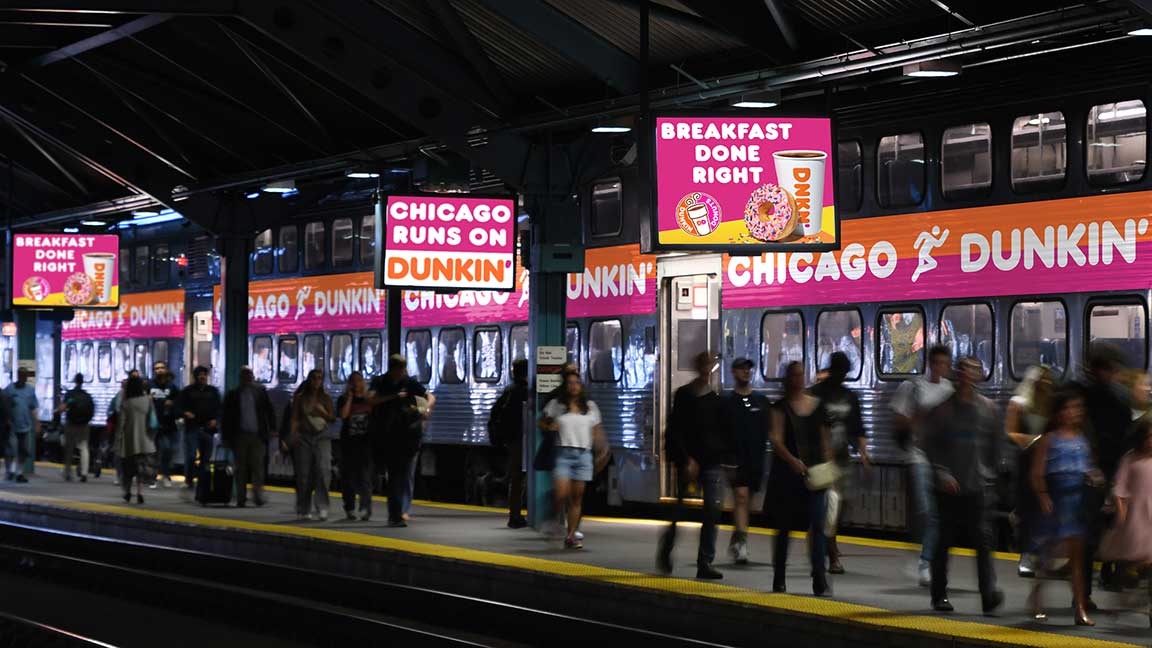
[
  {"x": 71, "y": 230},
  {"x": 611, "y": 129},
  {"x": 144, "y": 213},
  {"x": 360, "y": 174},
  {"x": 1143, "y": 31},
  {"x": 757, "y": 100},
  {"x": 616, "y": 125},
  {"x": 95, "y": 223},
  {"x": 252, "y": 195},
  {"x": 932, "y": 69},
  {"x": 281, "y": 186},
  {"x": 150, "y": 220}
]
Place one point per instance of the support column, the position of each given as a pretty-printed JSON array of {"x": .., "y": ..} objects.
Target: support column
[
  {"x": 26, "y": 355},
  {"x": 236, "y": 251}
]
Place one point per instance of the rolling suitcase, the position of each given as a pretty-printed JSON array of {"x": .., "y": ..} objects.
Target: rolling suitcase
[{"x": 217, "y": 480}]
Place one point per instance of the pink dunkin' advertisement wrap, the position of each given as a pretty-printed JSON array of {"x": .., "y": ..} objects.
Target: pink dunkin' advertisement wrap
[
  {"x": 437, "y": 242},
  {"x": 157, "y": 314},
  {"x": 761, "y": 183},
  {"x": 65, "y": 270},
  {"x": 305, "y": 304},
  {"x": 1050, "y": 247}
]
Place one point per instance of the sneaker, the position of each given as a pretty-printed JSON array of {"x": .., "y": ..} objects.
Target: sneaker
[
  {"x": 83, "y": 479},
  {"x": 942, "y": 605},
  {"x": 116, "y": 481},
  {"x": 925, "y": 574},
  {"x": 705, "y": 571},
  {"x": 836, "y": 568},
  {"x": 322, "y": 515},
  {"x": 365, "y": 515},
  {"x": 517, "y": 523},
  {"x": 349, "y": 514},
  {"x": 579, "y": 535},
  {"x": 153, "y": 485},
  {"x": 397, "y": 524},
  {"x": 1026, "y": 568},
  {"x": 167, "y": 483},
  {"x": 21, "y": 479},
  {"x": 742, "y": 553},
  {"x": 992, "y": 602},
  {"x": 573, "y": 543}
]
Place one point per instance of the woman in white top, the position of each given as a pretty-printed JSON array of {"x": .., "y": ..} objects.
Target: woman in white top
[{"x": 576, "y": 422}]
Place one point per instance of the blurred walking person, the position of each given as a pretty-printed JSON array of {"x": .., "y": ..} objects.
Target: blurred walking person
[
  {"x": 164, "y": 398},
  {"x": 400, "y": 406},
  {"x": 747, "y": 415},
  {"x": 248, "y": 422},
  {"x": 25, "y": 424},
  {"x": 312, "y": 411},
  {"x": 506, "y": 431},
  {"x": 135, "y": 420},
  {"x": 356, "y": 466},
  {"x": 78, "y": 409},
  {"x": 1061, "y": 473},
  {"x": 1127, "y": 541},
  {"x": 200, "y": 404},
  {"x": 1024, "y": 423},
  {"x": 795, "y": 499},
  {"x": 580, "y": 450}
]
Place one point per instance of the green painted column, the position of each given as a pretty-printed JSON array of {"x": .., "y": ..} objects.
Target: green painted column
[
  {"x": 547, "y": 302},
  {"x": 236, "y": 250}
]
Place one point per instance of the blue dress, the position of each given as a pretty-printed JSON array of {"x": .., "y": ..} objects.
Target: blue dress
[{"x": 1069, "y": 461}]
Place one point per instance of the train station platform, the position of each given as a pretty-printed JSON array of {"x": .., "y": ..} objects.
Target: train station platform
[{"x": 468, "y": 550}]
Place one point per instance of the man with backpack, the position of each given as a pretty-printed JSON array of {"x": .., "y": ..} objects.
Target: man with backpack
[
  {"x": 506, "y": 431},
  {"x": 78, "y": 410}
]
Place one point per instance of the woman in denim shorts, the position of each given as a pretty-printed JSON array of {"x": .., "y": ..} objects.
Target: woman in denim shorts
[{"x": 576, "y": 422}]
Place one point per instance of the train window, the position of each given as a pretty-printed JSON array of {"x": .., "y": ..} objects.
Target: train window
[
  {"x": 103, "y": 362},
  {"x": 488, "y": 354},
  {"x": 1039, "y": 152},
  {"x": 342, "y": 358},
  {"x": 839, "y": 330},
  {"x": 289, "y": 354},
  {"x": 966, "y": 161},
  {"x": 343, "y": 242},
  {"x": 262, "y": 358},
  {"x": 160, "y": 265},
  {"x": 605, "y": 351},
  {"x": 367, "y": 241},
  {"x": 125, "y": 266},
  {"x": 418, "y": 349},
  {"x": 204, "y": 354},
  {"x": 518, "y": 342},
  {"x": 572, "y": 343},
  {"x": 87, "y": 362},
  {"x": 849, "y": 174},
  {"x": 262, "y": 253},
  {"x": 8, "y": 362},
  {"x": 900, "y": 343},
  {"x": 159, "y": 353},
  {"x": 70, "y": 361},
  {"x": 288, "y": 249},
  {"x": 199, "y": 265},
  {"x": 607, "y": 214},
  {"x": 370, "y": 355},
  {"x": 313, "y": 356},
  {"x": 1038, "y": 335},
  {"x": 1122, "y": 326},
  {"x": 900, "y": 170},
  {"x": 967, "y": 330},
  {"x": 313, "y": 246},
  {"x": 781, "y": 342},
  {"x": 453, "y": 356},
  {"x": 140, "y": 266},
  {"x": 141, "y": 362},
  {"x": 122, "y": 358},
  {"x": 1117, "y": 143}
]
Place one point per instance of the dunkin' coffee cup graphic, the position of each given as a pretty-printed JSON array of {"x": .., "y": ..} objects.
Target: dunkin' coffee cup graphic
[
  {"x": 699, "y": 216},
  {"x": 801, "y": 173},
  {"x": 100, "y": 266}
]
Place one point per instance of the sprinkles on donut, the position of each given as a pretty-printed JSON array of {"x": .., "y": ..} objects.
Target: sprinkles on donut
[
  {"x": 79, "y": 289},
  {"x": 770, "y": 213}
]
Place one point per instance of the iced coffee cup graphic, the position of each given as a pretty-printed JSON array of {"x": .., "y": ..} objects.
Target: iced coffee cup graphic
[
  {"x": 801, "y": 173},
  {"x": 99, "y": 266},
  {"x": 699, "y": 216}
]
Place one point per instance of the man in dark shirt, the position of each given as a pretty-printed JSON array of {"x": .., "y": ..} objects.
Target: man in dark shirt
[
  {"x": 700, "y": 448},
  {"x": 389, "y": 393},
  {"x": 164, "y": 396},
  {"x": 964, "y": 451},
  {"x": 746, "y": 415},
  {"x": 248, "y": 424},
  {"x": 846, "y": 427},
  {"x": 200, "y": 407},
  {"x": 511, "y": 420}
]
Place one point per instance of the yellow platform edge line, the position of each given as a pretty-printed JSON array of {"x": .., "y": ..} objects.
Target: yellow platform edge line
[
  {"x": 851, "y": 540},
  {"x": 831, "y": 610}
]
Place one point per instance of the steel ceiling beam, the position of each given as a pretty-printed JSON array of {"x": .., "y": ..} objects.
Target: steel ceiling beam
[
  {"x": 103, "y": 7},
  {"x": 100, "y": 40},
  {"x": 486, "y": 70},
  {"x": 31, "y": 141},
  {"x": 554, "y": 29},
  {"x": 758, "y": 25}
]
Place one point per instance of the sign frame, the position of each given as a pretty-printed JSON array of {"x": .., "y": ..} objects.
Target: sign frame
[
  {"x": 739, "y": 250},
  {"x": 381, "y": 235},
  {"x": 10, "y": 275}
]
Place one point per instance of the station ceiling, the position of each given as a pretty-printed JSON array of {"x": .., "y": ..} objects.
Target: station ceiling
[{"x": 107, "y": 105}]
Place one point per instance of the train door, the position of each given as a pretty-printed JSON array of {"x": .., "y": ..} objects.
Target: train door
[
  {"x": 199, "y": 349},
  {"x": 689, "y": 306}
]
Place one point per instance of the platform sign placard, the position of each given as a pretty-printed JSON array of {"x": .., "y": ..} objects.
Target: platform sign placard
[
  {"x": 436, "y": 242},
  {"x": 744, "y": 185},
  {"x": 549, "y": 362},
  {"x": 65, "y": 270}
]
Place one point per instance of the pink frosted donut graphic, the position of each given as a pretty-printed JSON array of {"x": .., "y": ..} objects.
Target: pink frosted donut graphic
[
  {"x": 770, "y": 213},
  {"x": 78, "y": 289}
]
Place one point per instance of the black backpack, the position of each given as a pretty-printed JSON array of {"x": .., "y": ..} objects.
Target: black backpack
[
  {"x": 81, "y": 409},
  {"x": 504, "y": 419}
]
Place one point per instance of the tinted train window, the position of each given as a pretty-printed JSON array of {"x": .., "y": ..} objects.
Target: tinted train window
[
  {"x": 518, "y": 343},
  {"x": 159, "y": 353},
  {"x": 488, "y": 352},
  {"x": 839, "y": 330},
  {"x": 572, "y": 342},
  {"x": 370, "y": 355},
  {"x": 849, "y": 174},
  {"x": 607, "y": 219},
  {"x": 1117, "y": 142},
  {"x": 125, "y": 266},
  {"x": 1122, "y": 326},
  {"x": 418, "y": 349},
  {"x": 367, "y": 241},
  {"x": 262, "y": 253},
  {"x": 900, "y": 343},
  {"x": 1039, "y": 335},
  {"x": 900, "y": 170},
  {"x": 605, "y": 351},
  {"x": 204, "y": 354},
  {"x": 289, "y": 354},
  {"x": 69, "y": 361},
  {"x": 262, "y": 358},
  {"x": 343, "y": 242},
  {"x": 8, "y": 361},
  {"x": 453, "y": 357},
  {"x": 313, "y": 246},
  {"x": 967, "y": 330},
  {"x": 141, "y": 361},
  {"x": 966, "y": 161},
  {"x": 103, "y": 363},
  {"x": 343, "y": 358},
  {"x": 87, "y": 364},
  {"x": 1039, "y": 152},
  {"x": 140, "y": 266},
  {"x": 313, "y": 356},
  {"x": 160, "y": 264},
  {"x": 781, "y": 342},
  {"x": 288, "y": 249}
]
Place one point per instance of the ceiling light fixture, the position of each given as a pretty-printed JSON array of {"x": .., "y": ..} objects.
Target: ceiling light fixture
[
  {"x": 611, "y": 129},
  {"x": 767, "y": 99},
  {"x": 280, "y": 186},
  {"x": 93, "y": 223},
  {"x": 144, "y": 213},
  {"x": 71, "y": 230},
  {"x": 1142, "y": 31},
  {"x": 360, "y": 174},
  {"x": 932, "y": 69}
]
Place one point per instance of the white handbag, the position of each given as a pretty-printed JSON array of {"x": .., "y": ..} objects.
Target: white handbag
[{"x": 822, "y": 475}]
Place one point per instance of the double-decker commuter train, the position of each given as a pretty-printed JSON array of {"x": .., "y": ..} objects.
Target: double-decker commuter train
[{"x": 1016, "y": 233}]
